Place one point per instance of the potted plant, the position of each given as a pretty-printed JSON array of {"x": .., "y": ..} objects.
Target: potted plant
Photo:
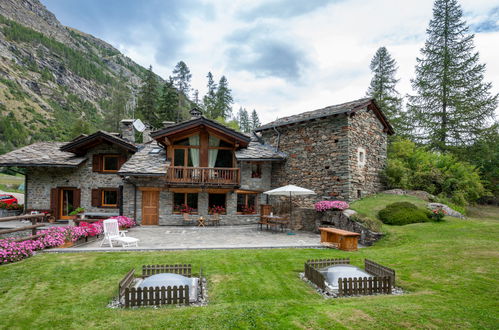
[
  {"x": 216, "y": 209},
  {"x": 77, "y": 212},
  {"x": 68, "y": 238},
  {"x": 248, "y": 210}
]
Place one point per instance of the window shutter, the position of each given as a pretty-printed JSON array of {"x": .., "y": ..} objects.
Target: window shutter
[
  {"x": 77, "y": 198},
  {"x": 96, "y": 197},
  {"x": 54, "y": 202},
  {"x": 97, "y": 163}
]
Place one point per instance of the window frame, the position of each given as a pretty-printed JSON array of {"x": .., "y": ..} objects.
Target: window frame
[
  {"x": 185, "y": 202},
  {"x": 104, "y": 163},
  {"x": 103, "y": 192},
  {"x": 259, "y": 170},
  {"x": 224, "y": 206},
  {"x": 245, "y": 194}
]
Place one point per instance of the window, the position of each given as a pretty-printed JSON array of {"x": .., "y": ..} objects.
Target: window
[
  {"x": 361, "y": 157},
  {"x": 107, "y": 163},
  {"x": 109, "y": 198},
  {"x": 217, "y": 203},
  {"x": 110, "y": 163},
  {"x": 185, "y": 203},
  {"x": 246, "y": 203},
  {"x": 256, "y": 170}
]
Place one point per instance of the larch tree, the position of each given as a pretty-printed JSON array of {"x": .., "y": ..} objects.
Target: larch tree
[
  {"x": 147, "y": 102},
  {"x": 383, "y": 88},
  {"x": 182, "y": 78},
  {"x": 168, "y": 103},
  {"x": 255, "y": 121},
  {"x": 210, "y": 100},
  {"x": 453, "y": 105},
  {"x": 224, "y": 100}
]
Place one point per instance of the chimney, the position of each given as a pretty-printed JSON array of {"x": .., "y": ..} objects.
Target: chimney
[
  {"x": 146, "y": 135},
  {"x": 127, "y": 130},
  {"x": 195, "y": 113},
  {"x": 165, "y": 124}
]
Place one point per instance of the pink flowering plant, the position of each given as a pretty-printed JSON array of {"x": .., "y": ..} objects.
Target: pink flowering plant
[
  {"x": 11, "y": 251},
  {"x": 331, "y": 205}
]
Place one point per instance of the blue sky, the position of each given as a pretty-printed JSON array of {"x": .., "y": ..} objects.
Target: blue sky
[{"x": 280, "y": 57}]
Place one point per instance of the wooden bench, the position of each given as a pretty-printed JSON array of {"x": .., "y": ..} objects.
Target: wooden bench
[{"x": 343, "y": 239}]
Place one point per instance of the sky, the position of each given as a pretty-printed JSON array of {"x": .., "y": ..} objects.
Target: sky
[{"x": 280, "y": 57}]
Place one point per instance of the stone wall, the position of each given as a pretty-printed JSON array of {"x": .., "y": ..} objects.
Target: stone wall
[
  {"x": 258, "y": 184},
  {"x": 40, "y": 180},
  {"x": 366, "y": 135},
  {"x": 317, "y": 156},
  {"x": 323, "y": 155}
]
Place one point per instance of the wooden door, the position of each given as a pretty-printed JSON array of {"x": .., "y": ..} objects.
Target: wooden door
[{"x": 150, "y": 207}]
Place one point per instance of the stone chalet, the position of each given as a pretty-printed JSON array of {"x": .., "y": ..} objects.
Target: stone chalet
[{"x": 198, "y": 164}]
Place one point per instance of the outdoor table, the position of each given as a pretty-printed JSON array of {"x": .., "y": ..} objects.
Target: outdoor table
[
  {"x": 274, "y": 221},
  {"x": 201, "y": 222}
]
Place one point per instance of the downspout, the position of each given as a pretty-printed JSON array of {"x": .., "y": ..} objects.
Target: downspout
[{"x": 278, "y": 137}]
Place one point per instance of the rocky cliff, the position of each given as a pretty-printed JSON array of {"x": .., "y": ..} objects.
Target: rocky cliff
[{"x": 55, "y": 80}]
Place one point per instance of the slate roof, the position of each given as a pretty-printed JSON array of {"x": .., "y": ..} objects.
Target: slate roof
[
  {"x": 324, "y": 112},
  {"x": 82, "y": 141},
  {"x": 258, "y": 151},
  {"x": 145, "y": 163},
  {"x": 41, "y": 154}
]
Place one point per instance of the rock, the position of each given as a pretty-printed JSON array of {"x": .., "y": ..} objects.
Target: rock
[
  {"x": 394, "y": 192},
  {"x": 421, "y": 194},
  {"x": 450, "y": 212},
  {"x": 349, "y": 212}
]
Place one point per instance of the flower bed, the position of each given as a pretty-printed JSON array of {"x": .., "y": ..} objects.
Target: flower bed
[
  {"x": 331, "y": 205},
  {"x": 11, "y": 251}
]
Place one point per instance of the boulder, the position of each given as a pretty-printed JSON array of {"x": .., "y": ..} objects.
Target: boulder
[
  {"x": 394, "y": 192},
  {"x": 450, "y": 212}
]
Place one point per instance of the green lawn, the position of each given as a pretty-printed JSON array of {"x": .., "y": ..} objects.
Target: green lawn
[
  {"x": 450, "y": 271},
  {"x": 10, "y": 183}
]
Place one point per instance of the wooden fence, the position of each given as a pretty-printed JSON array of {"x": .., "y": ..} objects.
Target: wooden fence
[
  {"x": 364, "y": 285},
  {"x": 185, "y": 270},
  {"x": 379, "y": 270},
  {"x": 382, "y": 282},
  {"x": 155, "y": 296},
  {"x": 34, "y": 225},
  {"x": 313, "y": 274}
]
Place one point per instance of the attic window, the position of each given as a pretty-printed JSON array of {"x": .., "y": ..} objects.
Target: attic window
[{"x": 111, "y": 163}]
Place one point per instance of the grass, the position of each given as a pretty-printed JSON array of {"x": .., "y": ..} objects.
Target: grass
[
  {"x": 9, "y": 183},
  {"x": 449, "y": 270}
]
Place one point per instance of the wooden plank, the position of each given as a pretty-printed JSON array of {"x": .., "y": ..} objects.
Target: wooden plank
[
  {"x": 32, "y": 237},
  {"x": 26, "y": 216},
  {"x": 7, "y": 231}
]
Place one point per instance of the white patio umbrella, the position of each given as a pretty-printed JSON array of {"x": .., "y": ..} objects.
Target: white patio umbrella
[{"x": 290, "y": 190}]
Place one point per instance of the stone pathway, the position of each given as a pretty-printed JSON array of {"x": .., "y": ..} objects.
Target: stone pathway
[{"x": 223, "y": 237}]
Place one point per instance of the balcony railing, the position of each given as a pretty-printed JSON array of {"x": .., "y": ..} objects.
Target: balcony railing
[{"x": 203, "y": 175}]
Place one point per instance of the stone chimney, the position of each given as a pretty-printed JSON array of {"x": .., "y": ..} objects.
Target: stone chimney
[
  {"x": 146, "y": 135},
  {"x": 195, "y": 113},
  {"x": 127, "y": 130}
]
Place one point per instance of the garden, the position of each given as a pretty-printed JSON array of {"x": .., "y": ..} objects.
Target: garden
[{"x": 449, "y": 272}]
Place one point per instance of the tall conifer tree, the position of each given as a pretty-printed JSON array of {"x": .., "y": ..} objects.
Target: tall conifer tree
[
  {"x": 168, "y": 103},
  {"x": 224, "y": 100},
  {"x": 243, "y": 119},
  {"x": 148, "y": 98},
  {"x": 210, "y": 100},
  {"x": 453, "y": 104},
  {"x": 255, "y": 121},
  {"x": 382, "y": 87}
]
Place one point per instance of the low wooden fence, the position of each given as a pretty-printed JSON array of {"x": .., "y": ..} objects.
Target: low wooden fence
[
  {"x": 382, "y": 282},
  {"x": 34, "y": 225},
  {"x": 313, "y": 274},
  {"x": 155, "y": 296},
  {"x": 379, "y": 270},
  {"x": 364, "y": 286}
]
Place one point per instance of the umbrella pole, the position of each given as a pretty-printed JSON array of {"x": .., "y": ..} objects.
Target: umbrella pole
[{"x": 290, "y": 208}]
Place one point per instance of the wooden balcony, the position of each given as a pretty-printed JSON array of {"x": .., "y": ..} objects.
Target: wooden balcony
[{"x": 212, "y": 176}]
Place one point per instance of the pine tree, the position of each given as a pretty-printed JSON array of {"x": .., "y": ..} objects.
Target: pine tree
[
  {"x": 182, "y": 78},
  {"x": 243, "y": 119},
  {"x": 255, "y": 121},
  {"x": 453, "y": 104},
  {"x": 223, "y": 97},
  {"x": 168, "y": 103},
  {"x": 382, "y": 87},
  {"x": 210, "y": 100},
  {"x": 148, "y": 98}
]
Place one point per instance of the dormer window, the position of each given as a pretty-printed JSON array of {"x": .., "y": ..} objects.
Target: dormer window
[{"x": 110, "y": 163}]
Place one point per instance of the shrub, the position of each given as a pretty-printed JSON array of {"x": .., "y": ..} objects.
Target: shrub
[
  {"x": 416, "y": 168},
  {"x": 369, "y": 223},
  {"x": 403, "y": 213}
]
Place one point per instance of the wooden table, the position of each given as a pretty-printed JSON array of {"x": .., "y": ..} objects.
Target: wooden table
[
  {"x": 273, "y": 221},
  {"x": 345, "y": 240},
  {"x": 201, "y": 222}
]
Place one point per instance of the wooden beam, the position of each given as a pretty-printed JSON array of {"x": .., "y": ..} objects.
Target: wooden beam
[{"x": 150, "y": 188}]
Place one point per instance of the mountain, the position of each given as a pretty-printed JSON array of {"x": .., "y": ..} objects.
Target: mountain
[{"x": 56, "y": 81}]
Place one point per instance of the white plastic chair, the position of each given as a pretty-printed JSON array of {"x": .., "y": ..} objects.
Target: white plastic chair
[{"x": 112, "y": 233}]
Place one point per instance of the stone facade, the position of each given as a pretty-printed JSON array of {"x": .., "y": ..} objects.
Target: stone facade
[
  {"x": 40, "y": 180},
  {"x": 323, "y": 155}
]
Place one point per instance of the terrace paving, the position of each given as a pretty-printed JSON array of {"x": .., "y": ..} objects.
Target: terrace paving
[{"x": 222, "y": 237}]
